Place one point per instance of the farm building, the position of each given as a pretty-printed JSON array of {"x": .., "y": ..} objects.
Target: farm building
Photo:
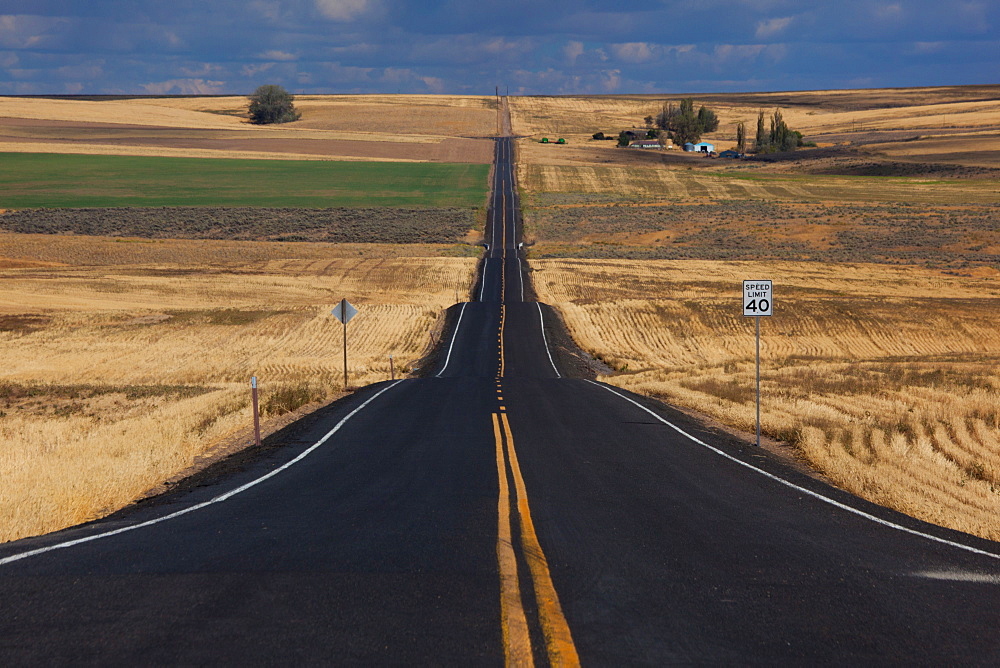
[
  {"x": 700, "y": 147},
  {"x": 645, "y": 143},
  {"x": 636, "y": 135}
]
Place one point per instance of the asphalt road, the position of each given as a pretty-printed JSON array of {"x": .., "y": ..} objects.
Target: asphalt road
[{"x": 498, "y": 511}]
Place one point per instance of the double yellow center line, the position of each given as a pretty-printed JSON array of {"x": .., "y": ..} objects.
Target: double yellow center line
[
  {"x": 503, "y": 321},
  {"x": 559, "y": 645},
  {"x": 516, "y": 637},
  {"x": 503, "y": 243}
]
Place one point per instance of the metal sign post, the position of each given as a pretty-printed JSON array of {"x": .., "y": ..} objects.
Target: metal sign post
[
  {"x": 757, "y": 303},
  {"x": 343, "y": 312},
  {"x": 256, "y": 411}
]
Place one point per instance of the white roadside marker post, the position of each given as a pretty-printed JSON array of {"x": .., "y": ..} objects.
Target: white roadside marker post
[
  {"x": 757, "y": 303},
  {"x": 392, "y": 369},
  {"x": 256, "y": 411},
  {"x": 343, "y": 312}
]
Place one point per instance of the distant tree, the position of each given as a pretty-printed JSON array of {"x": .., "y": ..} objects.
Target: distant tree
[
  {"x": 649, "y": 121},
  {"x": 598, "y": 135},
  {"x": 666, "y": 116},
  {"x": 272, "y": 104},
  {"x": 624, "y": 138},
  {"x": 741, "y": 137},
  {"x": 687, "y": 127},
  {"x": 761, "y": 142},
  {"x": 683, "y": 124},
  {"x": 782, "y": 137},
  {"x": 779, "y": 137},
  {"x": 707, "y": 119}
]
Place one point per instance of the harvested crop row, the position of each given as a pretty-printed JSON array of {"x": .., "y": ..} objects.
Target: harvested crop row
[
  {"x": 118, "y": 376},
  {"x": 883, "y": 377}
]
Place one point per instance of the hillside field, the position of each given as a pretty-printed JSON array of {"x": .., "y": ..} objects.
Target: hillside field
[
  {"x": 132, "y": 317},
  {"x": 931, "y": 147},
  {"x": 880, "y": 363},
  {"x": 126, "y": 360},
  {"x": 68, "y": 181},
  {"x": 879, "y": 123},
  {"x": 884, "y": 378},
  {"x": 423, "y": 128}
]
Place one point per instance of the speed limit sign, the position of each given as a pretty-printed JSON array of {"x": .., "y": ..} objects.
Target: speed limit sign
[
  {"x": 757, "y": 298},
  {"x": 757, "y": 302}
]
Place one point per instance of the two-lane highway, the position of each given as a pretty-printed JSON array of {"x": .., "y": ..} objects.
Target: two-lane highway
[{"x": 496, "y": 511}]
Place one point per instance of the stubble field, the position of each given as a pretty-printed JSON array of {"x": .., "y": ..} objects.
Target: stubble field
[
  {"x": 880, "y": 364},
  {"x": 132, "y": 318},
  {"x": 916, "y": 146},
  {"x": 883, "y": 378},
  {"x": 967, "y": 115},
  {"x": 127, "y": 360},
  {"x": 416, "y": 128}
]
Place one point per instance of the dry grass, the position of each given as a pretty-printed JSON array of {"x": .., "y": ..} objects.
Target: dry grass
[
  {"x": 403, "y": 115},
  {"x": 150, "y": 112},
  {"x": 964, "y": 239},
  {"x": 648, "y": 184},
  {"x": 348, "y": 127},
  {"x": 924, "y": 134},
  {"x": 167, "y": 152},
  {"x": 977, "y": 150},
  {"x": 811, "y": 112},
  {"x": 885, "y": 378},
  {"x": 125, "y": 360}
]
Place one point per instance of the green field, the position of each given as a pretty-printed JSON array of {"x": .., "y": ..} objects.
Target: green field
[{"x": 29, "y": 180}]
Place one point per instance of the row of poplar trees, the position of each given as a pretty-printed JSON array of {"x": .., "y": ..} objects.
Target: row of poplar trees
[
  {"x": 779, "y": 137},
  {"x": 683, "y": 124}
]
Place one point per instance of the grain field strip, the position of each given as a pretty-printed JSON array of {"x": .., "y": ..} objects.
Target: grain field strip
[{"x": 893, "y": 396}]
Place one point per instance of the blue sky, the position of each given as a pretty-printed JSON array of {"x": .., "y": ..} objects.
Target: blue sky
[{"x": 457, "y": 46}]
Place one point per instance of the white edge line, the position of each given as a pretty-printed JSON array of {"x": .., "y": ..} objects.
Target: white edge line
[
  {"x": 205, "y": 504},
  {"x": 520, "y": 273},
  {"x": 498, "y": 185},
  {"x": 482, "y": 279},
  {"x": 545, "y": 339},
  {"x": 816, "y": 495},
  {"x": 454, "y": 334}
]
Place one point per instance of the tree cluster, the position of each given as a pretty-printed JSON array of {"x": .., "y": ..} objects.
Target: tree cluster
[
  {"x": 779, "y": 137},
  {"x": 625, "y": 137},
  {"x": 272, "y": 104},
  {"x": 682, "y": 124}
]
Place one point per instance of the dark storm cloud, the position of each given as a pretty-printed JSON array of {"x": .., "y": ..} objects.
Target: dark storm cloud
[{"x": 562, "y": 46}]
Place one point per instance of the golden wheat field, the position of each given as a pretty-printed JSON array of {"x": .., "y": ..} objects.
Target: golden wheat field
[
  {"x": 657, "y": 184},
  {"x": 884, "y": 378},
  {"x": 877, "y": 133},
  {"x": 442, "y": 115},
  {"x": 812, "y": 112},
  {"x": 126, "y": 360},
  {"x": 332, "y": 127}
]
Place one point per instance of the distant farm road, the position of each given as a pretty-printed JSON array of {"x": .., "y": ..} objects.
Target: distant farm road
[{"x": 335, "y": 225}]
